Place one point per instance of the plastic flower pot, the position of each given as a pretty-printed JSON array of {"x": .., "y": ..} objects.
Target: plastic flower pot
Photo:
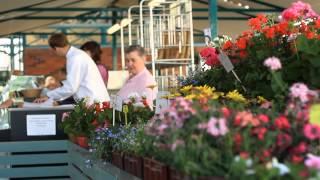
[
  {"x": 117, "y": 159},
  {"x": 134, "y": 165},
  {"x": 153, "y": 169},
  {"x": 82, "y": 141}
]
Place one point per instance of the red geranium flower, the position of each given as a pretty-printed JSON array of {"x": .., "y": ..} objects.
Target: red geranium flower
[
  {"x": 106, "y": 105},
  {"x": 317, "y": 23},
  {"x": 226, "y": 112},
  {"x": 241, "y": 43},
  {"x": 282, "y": 123},
  {"x": 263, "y": 118},
  {"x": 301, "y": 148},
  {"x": 296, "y": 159},
  {"x": 244, "y": 155},
  {"x": 284, "y": 140},
  {"x": 227, "y": 45},
  {"x": 260, "y": 132},
  {"x": 269, "y": 32},
  {"x": 210, "y": 55}
]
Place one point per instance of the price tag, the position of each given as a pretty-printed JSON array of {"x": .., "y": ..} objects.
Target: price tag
[
  {"x": 225, "y": 61},
  {"x": 125, "y": 108},
  {"x": 315, "y": 114}
]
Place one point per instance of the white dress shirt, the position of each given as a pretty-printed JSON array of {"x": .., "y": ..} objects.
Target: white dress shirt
[{"x": 83, "y": 79}]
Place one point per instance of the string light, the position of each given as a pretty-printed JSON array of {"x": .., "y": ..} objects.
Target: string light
[{"x": 245, "y": 6}]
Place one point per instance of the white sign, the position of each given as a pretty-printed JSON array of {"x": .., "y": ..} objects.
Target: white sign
[
  {"x": 118, "y": 103},
  {"x": 225, "y": 61},
  {"x": 41, "y": 125},
  {"x": 161, "y": 102}
]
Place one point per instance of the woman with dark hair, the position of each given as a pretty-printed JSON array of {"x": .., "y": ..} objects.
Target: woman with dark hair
[{"x": 94, "y": 51}]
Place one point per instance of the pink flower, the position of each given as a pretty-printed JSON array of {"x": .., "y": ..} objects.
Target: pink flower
[
  {"x": 177, "y": 143},
  {"x": 273, "y": 63},
  {"x": 298, "y": 10},
  {"x": 217, "y": 127},
  {"x": 212, "y": 127},
  {"x": 64, "y": 116},
  {"x": 313, "y": 162},
  {"x": 299, "y": 90},
  {"x": 312, "y": 132}
]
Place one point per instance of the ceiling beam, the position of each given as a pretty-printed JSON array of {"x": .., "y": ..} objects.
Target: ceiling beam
[
  {"x": 110, "y": 18},
  {"x": 73, "y": 9},
  {"x": 24, "y": 7},
  {"x": 267, "y": 4},
  {"x": 237, "y": 9}
]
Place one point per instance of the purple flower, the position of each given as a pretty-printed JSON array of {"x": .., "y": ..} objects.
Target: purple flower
[
  {"x": 273, "y": 63},
  {"x": 313, "y": 161}
]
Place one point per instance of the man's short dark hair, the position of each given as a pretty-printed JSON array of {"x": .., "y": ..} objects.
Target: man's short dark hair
[
  {"x": 137, "y": 48},
  {"x": 58, "y": 40}
]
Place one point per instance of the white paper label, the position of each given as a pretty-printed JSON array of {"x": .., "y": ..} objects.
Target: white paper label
[
  {"x": 118, "y": 103},
  {"x": 161, "y": 102},
  {"x": 225, "y": 61},
  {"x": 41, "y": 125}
]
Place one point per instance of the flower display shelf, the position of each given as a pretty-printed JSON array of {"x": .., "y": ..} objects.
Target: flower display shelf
[
  {"x": 117, "y": 159},
  {"x": 133, "y": 165},
  {"x": 54, "y": 159},
  {"x": 153, "y": 169}
]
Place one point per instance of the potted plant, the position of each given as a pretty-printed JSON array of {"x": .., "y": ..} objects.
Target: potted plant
[{"x": 83, "y": 120}]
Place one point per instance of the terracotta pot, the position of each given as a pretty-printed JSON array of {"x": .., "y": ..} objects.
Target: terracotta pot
[
  {"x": 82, "y": 141},
  {"x": 133, "y": 165},
  {"x": 72, "y": 138},
  {"x": 117, "y": 159},
  {"x": 153, "y": 169}
]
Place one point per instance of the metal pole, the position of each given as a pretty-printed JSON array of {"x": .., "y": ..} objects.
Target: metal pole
[
  {"x": 191, "y": 34},
  {"x": 213, "y": 13},
  {"x": 152, "y": 43},
  {"x": 114, "y": 45},
  {"x": 12, "y": 53},
  {"x": 103, "y": 36},
  {"x": 122, "y": 48}
]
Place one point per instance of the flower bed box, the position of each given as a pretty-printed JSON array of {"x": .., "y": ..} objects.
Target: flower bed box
[
  {"x": 133, "y": 165},
  {"x": 117, "y": 159},
  {"x": 153, "y": 169},
  {"x": 177, "y": 175}
]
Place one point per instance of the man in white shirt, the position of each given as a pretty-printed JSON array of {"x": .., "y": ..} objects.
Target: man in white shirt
[{"x": 83, "y": 77}]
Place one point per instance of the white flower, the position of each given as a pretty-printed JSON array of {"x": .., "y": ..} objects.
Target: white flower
[
  {"x": 283, "y": 169},
  {"x": 144, "y": 95},
  {"x": 138, "y": 104},
  {"x": 133, "y": 96}
]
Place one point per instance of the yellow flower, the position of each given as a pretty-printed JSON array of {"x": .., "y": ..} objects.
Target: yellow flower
[
  {"x": 261, "y": 100},
  {"x": 236, "y": 96},
  {"x": 186, "y": 89},
  {"x": 217, "y": 95},
  {"x": 191, "y": 97}
]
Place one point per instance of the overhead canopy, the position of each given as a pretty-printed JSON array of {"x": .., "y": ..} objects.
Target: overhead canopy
[{"x": 39, "y": 16}]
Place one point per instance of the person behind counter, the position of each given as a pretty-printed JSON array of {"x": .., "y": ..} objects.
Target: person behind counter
[
  {"x": 94, "y": 51},
  {"x": 83, "y": 78},
  {"x": 140, "y": 79}
]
